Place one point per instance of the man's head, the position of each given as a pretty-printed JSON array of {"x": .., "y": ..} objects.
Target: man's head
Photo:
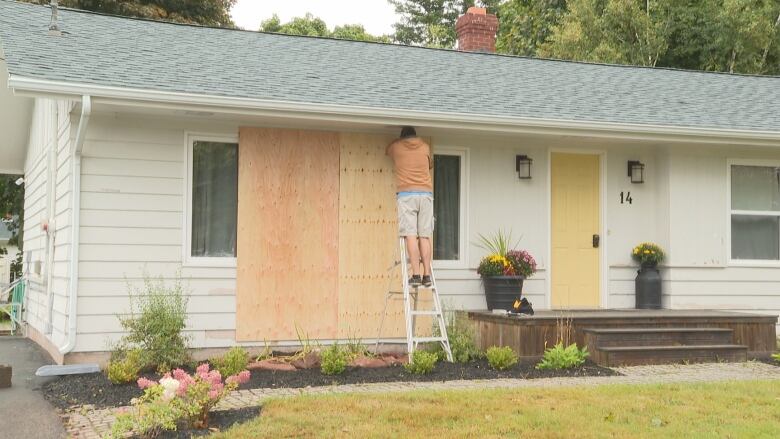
[{"x": 407, "y": 132}]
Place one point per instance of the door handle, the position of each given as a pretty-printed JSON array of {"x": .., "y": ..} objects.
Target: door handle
[{"x": 596, "y": 239}]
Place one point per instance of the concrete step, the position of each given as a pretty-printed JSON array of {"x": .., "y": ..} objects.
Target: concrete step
[
  {"x": 616, "y": 337},
  {"x": 612, "y": 356}
]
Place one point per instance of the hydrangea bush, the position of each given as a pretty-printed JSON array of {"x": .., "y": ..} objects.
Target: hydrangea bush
[{"x": 178, "y": 395}]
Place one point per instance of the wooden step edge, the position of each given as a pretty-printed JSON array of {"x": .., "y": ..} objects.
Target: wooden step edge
[
  {"x": 722, "y": 347},
  {"x": 652, "y": 330}
]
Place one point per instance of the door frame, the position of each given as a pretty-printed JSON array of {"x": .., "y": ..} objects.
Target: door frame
[{"x": 603, "y": 266}]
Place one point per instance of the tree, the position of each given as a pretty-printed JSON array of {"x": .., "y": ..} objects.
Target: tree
[
  {"x": 610, "y": 31},
  {"x": 12, "y": 217},
  {"x": 527, "y": 24},
  {"x": 431, "y": 23},
  {"x": 312, "y": 26},
  {"x": 204, "y": 12}
]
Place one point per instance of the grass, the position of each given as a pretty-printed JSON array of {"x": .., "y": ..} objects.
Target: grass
[{"x": 728, "y": 410}]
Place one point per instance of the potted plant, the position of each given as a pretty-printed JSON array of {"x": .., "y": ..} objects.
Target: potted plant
[
  {"x": 648, "y": 278},
  {"x": 503, "y": 270}
]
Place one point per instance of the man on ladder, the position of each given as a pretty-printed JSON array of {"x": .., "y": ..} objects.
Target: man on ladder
[{"x": 414, "y": 186}]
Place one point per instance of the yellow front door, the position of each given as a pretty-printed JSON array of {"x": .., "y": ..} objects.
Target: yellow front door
[{"x": 575, "y": 220}]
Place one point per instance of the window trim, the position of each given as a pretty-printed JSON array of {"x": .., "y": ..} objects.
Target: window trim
[
  {"x": 462, "y": 261},
  {"x": 187, "y": 259},
  {"x": 730, "y": 212}
]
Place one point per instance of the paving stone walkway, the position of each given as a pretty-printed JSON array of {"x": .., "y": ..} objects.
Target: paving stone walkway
[{"x": 86, "y": 422}]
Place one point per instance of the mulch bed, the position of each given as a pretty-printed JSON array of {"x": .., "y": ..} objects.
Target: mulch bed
[{"x": 96, "y": 390}]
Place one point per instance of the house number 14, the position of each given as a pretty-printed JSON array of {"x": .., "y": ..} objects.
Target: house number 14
[{"x": 625, "y": 197}]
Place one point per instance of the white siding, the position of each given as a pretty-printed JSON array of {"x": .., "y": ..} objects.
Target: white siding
[
  {"x": 132, "y": 217},
  {"x": 50, "y": 128}
]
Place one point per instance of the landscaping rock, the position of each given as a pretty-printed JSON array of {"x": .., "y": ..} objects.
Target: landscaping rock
[
  {"x": 395, "y": 360},
  {"x": 368, "y": 362},
  {"x": 272, "y": 364},
  {"x": 309, "y": 361}
]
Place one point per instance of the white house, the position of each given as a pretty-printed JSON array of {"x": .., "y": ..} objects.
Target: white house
[{"x": 252, "y": 165}]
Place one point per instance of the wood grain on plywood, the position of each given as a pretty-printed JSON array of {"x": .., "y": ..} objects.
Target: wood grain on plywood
[{"x": 288, "y": 234}]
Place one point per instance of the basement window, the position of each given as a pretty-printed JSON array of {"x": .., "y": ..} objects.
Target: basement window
[
  {"x": 212, "y": 167},
  {"x": 449, "y": 173},
  {"x": 755, "y": 213}
]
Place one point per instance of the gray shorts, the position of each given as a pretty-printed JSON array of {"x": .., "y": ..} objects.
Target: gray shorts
[{"x": 415, "y": 215}]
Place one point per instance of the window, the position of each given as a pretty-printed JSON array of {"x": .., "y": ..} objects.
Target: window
[
  {"x": 449, "y": 207},
  {"x": 213, "y": 200},
  {"x": 755, "y": 212}
]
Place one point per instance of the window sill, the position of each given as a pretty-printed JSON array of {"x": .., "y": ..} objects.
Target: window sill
[
  {"x": 754, "y": 263},
  {"x": 209, "y": 263}
]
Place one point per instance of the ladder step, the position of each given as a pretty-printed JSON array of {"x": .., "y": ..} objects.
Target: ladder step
[
  {"x": 425, "y": 313},
  {"x": 428, "y": 339}
]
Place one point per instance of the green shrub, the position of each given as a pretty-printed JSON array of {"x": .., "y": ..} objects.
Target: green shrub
[
  {"x": 125, "y": 366},
  {"x": 501, "y": 358},
  {"x": 559, "y": 357},
  {"x": 158, "y": 315},
  {"x": 462, "y": 342},
  {"x": 422, "y": 363},
  {"x": 776, "y": 356},
  {"x": 234, "y": 361},
  {"x": 333, "y": 361}
]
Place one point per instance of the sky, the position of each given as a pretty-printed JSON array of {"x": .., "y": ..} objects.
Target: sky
[{"x": 377, "y": 16}]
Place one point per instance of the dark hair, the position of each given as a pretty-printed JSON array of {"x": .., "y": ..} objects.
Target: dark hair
[{"x": 408, "y": 132}]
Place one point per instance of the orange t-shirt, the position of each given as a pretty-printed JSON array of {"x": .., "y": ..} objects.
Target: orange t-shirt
[{"x": 413, "y": 163}]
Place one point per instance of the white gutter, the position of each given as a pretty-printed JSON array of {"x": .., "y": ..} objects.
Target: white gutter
[
  {"x": 386, "y": 116},
  {"x": 75, "y": 169}
]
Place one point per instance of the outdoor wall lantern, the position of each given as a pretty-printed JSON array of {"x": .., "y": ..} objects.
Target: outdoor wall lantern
[
  {"x": 523, "y": 167},
  {"x": 636, "y": 170}
]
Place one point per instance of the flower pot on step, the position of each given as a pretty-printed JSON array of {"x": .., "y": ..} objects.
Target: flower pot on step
[
  {"x": 648, "y": 287},
  {"x": 501, "y": 291}
]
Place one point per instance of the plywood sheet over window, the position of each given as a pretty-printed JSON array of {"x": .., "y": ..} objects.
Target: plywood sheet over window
[
  {"x": 288, "y": 234},
  {"x": 368, "y": 241}
]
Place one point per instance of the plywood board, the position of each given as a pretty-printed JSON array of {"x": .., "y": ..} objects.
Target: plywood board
[
  {"x": 368, "y": 241},
  {"x": 288, "y": 234}
]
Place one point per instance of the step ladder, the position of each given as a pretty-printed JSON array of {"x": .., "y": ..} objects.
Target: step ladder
[{"x": 411, "y": 311}]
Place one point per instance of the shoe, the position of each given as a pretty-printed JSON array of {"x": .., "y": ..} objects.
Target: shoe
[
  {"x": 415, "y": 281},
  {"x": 426, "y": 281}
]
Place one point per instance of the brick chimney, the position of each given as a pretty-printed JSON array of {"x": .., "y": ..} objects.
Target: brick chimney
[{"x": 476, "y": 31}]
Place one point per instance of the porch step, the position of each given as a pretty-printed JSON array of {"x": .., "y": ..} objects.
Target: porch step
[
  {"x": 612, "y": 356},
  {"x": 616, "y": 337}
]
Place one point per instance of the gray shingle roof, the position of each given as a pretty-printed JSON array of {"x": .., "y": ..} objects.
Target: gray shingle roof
[{"x": 112, "y": 51}]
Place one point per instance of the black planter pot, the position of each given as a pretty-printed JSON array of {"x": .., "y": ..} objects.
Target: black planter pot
[
  {"x": 502, "y": 291},
  {"x": 648, "y": 287}
]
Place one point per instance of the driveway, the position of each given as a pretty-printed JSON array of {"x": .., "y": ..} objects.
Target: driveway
[{"x": 23, "y": 411}]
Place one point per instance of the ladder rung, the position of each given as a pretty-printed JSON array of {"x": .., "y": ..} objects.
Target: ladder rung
[
  {"x": 425, "y": 313},
  {"x": 428, "y": 339}
]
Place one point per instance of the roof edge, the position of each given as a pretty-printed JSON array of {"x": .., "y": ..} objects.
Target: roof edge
[{"x": 152, "y": 98}]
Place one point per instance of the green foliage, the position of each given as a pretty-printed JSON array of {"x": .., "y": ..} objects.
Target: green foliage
[
  {"x": 333, "y": 361},
  {"x": 776, "y": 356},
  {"x": 499, "y": 243},
  {"x": 431, "y": 23},
  {"x": 355, "y": 348},
  {"x": 560, "y": 357},
  {"x": 158, "y": 315},
  {"x": 234, "y": 361},
  {"x": 527, "y": 24},
  {"x": 205, "y": 12},
  {"x": 149, "y": 417},
  {"x": 125, "y": 366},
  {"x": 312, "y": 26},
  {"x": 422, "y": 363},
  {"x": 501, "y": 358},
  {"x": 12, "y": 218},
  {"x": 462, "y": 342}
]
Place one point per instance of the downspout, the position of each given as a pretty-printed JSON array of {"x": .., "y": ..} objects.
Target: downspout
[
  {"x": 51, "y": 190},
  {"x": 75, "y": 172}
]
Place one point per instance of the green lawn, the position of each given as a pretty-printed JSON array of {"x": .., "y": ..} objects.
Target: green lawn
[{"x": 720, "y": 410}]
